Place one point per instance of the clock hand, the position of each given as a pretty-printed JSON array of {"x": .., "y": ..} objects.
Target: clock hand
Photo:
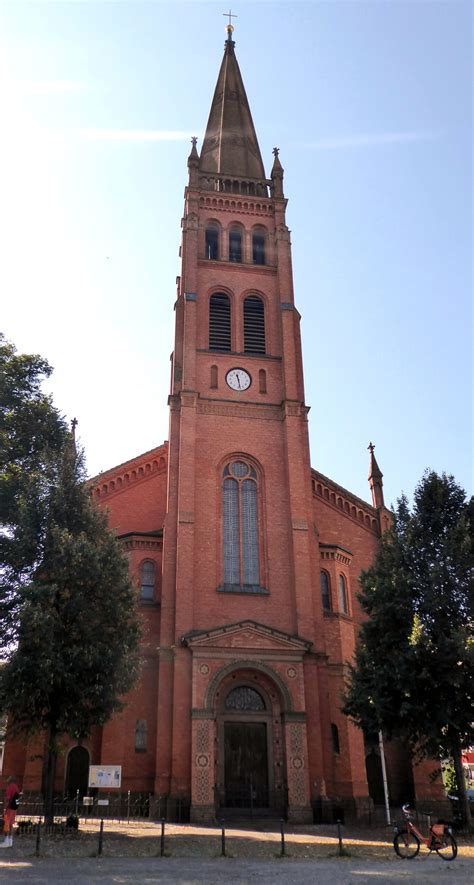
[{"x": 238, "y": 381}]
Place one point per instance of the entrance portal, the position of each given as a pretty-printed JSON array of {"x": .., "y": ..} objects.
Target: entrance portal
[
  {"x": 248, "y": 735},
  {"x": 245, "y": 765},
  {"x": 77, "y": 775}
]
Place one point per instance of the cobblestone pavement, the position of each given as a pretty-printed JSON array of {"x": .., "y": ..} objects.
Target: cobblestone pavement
[{"x": 197, "y": 871}]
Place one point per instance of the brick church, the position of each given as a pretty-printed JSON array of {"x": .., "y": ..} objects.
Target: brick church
[{"x": 245, "y": 558}]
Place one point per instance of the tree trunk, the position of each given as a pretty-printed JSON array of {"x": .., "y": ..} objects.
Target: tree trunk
[
  {"x": 461, "y": 784},
  {"x": 50, "y": 773}
]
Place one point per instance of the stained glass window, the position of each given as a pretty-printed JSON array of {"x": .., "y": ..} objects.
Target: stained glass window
[
  {"x": 240, "y": 527},
  {"x": 325, "y": 592},
  {"x": 147, "y": 580},
  {"x": 244, "y": 698},
  {"x": 343, "y": 605}
]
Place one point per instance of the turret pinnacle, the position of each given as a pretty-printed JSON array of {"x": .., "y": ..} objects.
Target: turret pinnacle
[
  {"x": 277, "y": 174},
  {"x": 230, "y": 144},
  {"x": 375, "y": 479}
]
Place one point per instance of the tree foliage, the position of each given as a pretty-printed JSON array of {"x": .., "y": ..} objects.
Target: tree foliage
[
  {"x": 413, "y": 674},
  {"x": 71, "y": 633},
  {"x": 32, "y": 435}
]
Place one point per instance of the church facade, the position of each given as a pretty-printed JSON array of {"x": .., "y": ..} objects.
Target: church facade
[{"x": 245, "y": 559}]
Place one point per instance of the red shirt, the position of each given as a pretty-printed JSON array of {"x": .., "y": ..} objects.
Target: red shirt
[{"x": 10, "y": 792}]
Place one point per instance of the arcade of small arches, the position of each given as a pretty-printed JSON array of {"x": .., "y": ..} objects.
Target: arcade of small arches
[
  {"x": 243, "y": 186},
  {"x": 131, "y": 475},
  {"x": 234, "y": 243},
  {"x": 341, "y": 503},
  {"x": 242, "y": 207}
]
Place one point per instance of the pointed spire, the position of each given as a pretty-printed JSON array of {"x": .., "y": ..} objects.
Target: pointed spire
[
  {"x": 375, "y": 479},
  {"x": 230, "y": 144}
]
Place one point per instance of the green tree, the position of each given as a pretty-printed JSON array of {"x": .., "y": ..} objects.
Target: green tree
[
  {"x": 32, "y": 434},
  {"x": 413, "y": 674},
  {"x": 71, "y": 644}
]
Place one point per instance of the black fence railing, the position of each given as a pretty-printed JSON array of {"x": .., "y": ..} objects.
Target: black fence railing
[{"x": 110, "y": 806}]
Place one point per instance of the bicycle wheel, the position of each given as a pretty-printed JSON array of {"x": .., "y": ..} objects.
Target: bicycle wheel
[
  {"x": 448, "y": 848},
  {"x": 406, "y": 844}
]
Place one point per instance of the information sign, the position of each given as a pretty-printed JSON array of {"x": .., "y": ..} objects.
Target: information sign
[{"x": 105, "y": 776}]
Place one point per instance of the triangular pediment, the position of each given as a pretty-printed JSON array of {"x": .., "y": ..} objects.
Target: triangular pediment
[{"x": 246, "y": 635}]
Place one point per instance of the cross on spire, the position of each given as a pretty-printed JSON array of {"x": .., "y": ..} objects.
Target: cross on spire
[
  {"x": 371, "y": 448},
  {"x": 231, "y": 15}
]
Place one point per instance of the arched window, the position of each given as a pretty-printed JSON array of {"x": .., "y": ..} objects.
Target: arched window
[
  {"x": 254, "y": 325},
  {"x": 343, "y": 605},
  {"x": 212, "y": 242},
  {"x": 258, "y": 247},
  {"x": 141, "y": 736},
  {"x": 147, "y": 579},
  {"x": 214, "y": 377},
  {"x": 325, "y": 592},
  {"x": 244, "y": 698},
  {"x": 235, "y": 244},
  {"x": 335, "y": 739},
  {"x": 240, "y": 528},
  {"x": 219, "y": 322},
  {"x": 262, "y": 380}
]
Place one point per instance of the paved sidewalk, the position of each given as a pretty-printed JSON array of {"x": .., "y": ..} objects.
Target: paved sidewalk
[{"x": 425, "y": 870}]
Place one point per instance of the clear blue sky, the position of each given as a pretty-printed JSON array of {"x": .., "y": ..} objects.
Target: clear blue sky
[{"x": 370, "y": 105}]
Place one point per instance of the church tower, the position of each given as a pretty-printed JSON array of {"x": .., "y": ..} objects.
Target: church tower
[
  {"x": 245, "y": 560},
  {"x": 240, "y": 700}
]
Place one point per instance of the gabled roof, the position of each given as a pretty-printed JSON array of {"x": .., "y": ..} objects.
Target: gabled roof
[
  {"x": 230, "y": 144},
  {"x": 246, "y": 634}
]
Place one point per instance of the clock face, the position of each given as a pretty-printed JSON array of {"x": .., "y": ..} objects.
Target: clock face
[{"x": 238, "y": 379}]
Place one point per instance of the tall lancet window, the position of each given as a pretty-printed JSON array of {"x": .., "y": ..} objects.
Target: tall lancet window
[{"x": 240, "y": 527}]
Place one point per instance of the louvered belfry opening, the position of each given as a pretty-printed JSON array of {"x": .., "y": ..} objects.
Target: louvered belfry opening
[
  {"x": 219, "y": 322},
  {"x": 254, "y": 325}
]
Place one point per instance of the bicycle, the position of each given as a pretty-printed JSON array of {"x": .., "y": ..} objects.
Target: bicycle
[{"x": 407, "y": 839}]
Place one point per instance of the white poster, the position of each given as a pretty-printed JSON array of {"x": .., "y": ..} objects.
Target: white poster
[{"x": 108, "y": 776}]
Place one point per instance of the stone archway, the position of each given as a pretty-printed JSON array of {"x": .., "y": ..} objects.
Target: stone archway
[{"x": 77, "y": 772}]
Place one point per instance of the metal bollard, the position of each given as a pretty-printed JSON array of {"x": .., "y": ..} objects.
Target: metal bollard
[
  {"x": 101, "y": 837},
  {"x": 128, "y": 807},
  {"x": 38, "y": 839},
  {"x": 341, "y": 847},
  {"x": 223, "y": 838},
  {"x": 162, "y": 839},
  {"x": 282, "y": 829}
]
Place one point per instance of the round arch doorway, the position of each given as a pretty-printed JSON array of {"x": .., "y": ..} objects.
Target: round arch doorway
[
  {"x": 249, "y": 738},
  {"x": 77, "y": 772}
]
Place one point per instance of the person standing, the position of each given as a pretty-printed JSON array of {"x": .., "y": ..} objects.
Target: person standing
[{"x": 12, "y": 798}]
